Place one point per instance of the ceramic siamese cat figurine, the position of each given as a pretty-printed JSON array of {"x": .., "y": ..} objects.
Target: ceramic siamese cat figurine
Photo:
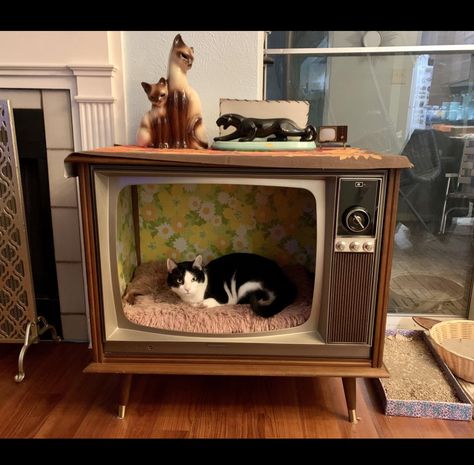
[
  {"x": 154, "y": 127},
  {"x": 184, "y": 105},
  {"x": 231, "y": 279}
]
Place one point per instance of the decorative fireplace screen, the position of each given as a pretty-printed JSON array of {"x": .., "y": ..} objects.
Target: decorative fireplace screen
[{"x": 17, "y": 303}]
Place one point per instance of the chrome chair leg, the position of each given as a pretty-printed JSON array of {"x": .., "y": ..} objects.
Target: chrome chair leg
[{"x": 444, "y": 213}]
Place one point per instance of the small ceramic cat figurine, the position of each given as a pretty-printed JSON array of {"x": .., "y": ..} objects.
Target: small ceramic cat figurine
[
  {"x": 154, "y": 126},
  {"x": 184, "y": 105},
  {"x": 231, "y": 279}
]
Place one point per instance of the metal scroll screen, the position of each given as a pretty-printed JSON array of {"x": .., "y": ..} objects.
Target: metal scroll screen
[{"x": 17, "y": 304}]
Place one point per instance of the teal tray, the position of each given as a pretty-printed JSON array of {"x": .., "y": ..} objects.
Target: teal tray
[{"x": 262, "y": 145}]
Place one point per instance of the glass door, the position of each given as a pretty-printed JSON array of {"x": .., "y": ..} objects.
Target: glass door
[{"x": 399, "y": 96}]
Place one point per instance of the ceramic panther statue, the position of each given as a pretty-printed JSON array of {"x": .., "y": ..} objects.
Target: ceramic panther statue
[{"x": 247, "y": 129}]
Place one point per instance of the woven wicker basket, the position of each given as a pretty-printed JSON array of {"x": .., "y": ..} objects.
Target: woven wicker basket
[{"x": 461, "y": 365}]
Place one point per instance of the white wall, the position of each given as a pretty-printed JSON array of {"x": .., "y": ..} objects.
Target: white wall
[
  {"x": 226, "y": 65},
  {"x": 53, "y": 47}
]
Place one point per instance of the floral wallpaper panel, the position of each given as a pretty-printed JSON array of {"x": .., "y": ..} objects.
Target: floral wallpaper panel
[
  {"x": 126, "y": 252},
  {"x": 181, "y": 221}
]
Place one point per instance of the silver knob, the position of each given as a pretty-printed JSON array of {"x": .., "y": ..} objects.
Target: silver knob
[
  {"x": 368, "y": 246},
  {"x": 340, "y": 246},
  {"x": 354, "y": 246}
]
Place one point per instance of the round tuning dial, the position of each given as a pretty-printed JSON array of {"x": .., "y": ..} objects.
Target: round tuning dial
[
  {"x": 340, "y": 246},
  {"x": 356, "y": 219}
]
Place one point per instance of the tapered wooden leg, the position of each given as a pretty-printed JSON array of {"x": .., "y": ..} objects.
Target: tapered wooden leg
[
  {"x": 350, "y": 393},
  {"x": 125, "y": 384}
]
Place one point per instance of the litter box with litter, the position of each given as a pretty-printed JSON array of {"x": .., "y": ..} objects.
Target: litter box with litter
[{"x": 420, "y": 384}]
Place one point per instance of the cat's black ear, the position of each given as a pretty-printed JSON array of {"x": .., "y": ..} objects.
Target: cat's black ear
[
  {"x": 162, "y": 81},
  {"x": 171, "y": 265},
  {"x": 146, "y": 87},
  {"x": 198, "y": 262}
]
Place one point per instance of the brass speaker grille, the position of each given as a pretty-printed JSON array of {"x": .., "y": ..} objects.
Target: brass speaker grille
[
  {"x": 350, "y": 305},
  {"x": 17, "y": 305}
]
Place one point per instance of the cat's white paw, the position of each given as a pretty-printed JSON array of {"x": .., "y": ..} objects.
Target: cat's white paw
[{"x": 209, "y": 303}]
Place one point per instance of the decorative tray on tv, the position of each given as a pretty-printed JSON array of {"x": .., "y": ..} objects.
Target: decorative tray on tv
[{"x": 264, "y": 145}]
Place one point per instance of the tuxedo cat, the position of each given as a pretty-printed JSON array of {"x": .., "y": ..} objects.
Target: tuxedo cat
[
  {"x": 154, "y": 126},
  {"x": 184, "y": 104},
  {"x": 231, "y": 279}
]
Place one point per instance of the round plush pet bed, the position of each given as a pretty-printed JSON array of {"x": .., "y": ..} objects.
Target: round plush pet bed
[{"x": 149, "y": 302}]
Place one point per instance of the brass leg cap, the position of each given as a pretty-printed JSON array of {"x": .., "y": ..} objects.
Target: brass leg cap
[
  {"x": 352, "y": 416},
  {"x": 121, "y": 411}
]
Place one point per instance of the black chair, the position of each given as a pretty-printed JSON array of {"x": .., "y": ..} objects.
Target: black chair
[
  {"x": 422, "y": 150},
  {"x": 459, "y": 193}
]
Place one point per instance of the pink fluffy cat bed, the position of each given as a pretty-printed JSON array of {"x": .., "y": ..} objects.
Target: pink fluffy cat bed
[{"x": 149, "y": 302}]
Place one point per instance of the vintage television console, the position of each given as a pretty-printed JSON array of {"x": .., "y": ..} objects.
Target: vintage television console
[{"x": 341, "y": 213}]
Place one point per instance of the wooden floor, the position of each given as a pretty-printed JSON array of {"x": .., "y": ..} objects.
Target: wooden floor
[{"x": 57, "y": 400}]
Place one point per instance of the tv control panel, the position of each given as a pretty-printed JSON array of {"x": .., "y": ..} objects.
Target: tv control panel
[{"x": 358, "y": 201}]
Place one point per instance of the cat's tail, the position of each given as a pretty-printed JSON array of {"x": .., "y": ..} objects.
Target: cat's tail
[
  {"x": 284, "y": 298},
  {"x": 193, "y": 140}
]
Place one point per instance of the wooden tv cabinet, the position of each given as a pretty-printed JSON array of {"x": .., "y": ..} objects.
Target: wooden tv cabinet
[{"x": 325, "y": 160}]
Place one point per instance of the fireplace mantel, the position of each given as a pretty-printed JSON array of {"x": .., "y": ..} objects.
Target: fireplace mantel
[{"x": 91, "y": 90}]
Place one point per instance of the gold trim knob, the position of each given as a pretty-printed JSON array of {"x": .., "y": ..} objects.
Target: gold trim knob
[
  {"x": 354, "y": 246},
  {"x": 368, "y": 246}
]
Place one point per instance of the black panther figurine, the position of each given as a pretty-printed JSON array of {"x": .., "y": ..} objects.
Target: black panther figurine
[{"x": 247, "y": 129}]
